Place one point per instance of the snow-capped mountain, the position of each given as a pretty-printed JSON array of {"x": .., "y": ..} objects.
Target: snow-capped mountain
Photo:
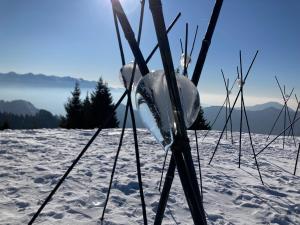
[{"x": 40, "y": 80}]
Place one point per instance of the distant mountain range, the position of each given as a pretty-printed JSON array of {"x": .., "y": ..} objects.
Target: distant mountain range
[
  {"x": 261, "y": 120},
  {"x": 263, "y": 106},
  {"x": 40, "y": 80}
]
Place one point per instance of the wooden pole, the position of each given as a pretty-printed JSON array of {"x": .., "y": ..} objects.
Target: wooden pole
[
  {"x": 185, "y": 48},
  {"x": 206, "y": 42},
  {"x": 181, "y": 151},
  {"x": 297, "y": 160},
  {"x": 241, "y": 118},
  {"x": 235, "y": 101}
]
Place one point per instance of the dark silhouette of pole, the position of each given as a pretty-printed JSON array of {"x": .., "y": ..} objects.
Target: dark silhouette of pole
[
  {"x": 206, "y": 42},
  {"x": 162, "y": 170},
  {"x": 235, "y": 101},
  {"x": 129, "y": 35},
  {"x": 180, "y": 148},
  {"x": 283, "y": 107},
  {"x": 251, "y": 141},
  {"x": 195, "y": 37},
  {"x": 181, "y": 46},
  {"x": 165, "y": 192},
  {"x": 199, "y": 164},
  {"x": 297, "y": 159},
  {"x": 284, "y": 125},
  {"x": 226, "y": 113},
  {"x": 284, "y": 122},
  {"x": 119, "y": 39},
  {"x": 241, "y": 118},
  {"x": 137, "y": 155},
  {"x": 185, "y": 48}
]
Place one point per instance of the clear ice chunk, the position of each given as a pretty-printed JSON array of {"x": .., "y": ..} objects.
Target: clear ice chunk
[{"x": 155, "y": 109}]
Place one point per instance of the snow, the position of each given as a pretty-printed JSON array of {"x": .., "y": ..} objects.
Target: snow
[{"x": 32, "y": 161}]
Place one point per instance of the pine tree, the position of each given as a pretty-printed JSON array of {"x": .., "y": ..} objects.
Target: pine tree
[
  {"x": 200, "y": 123},
  {"x": 86, "y": 113},
  {"x": 4, "y": 126},
  {"x": 74, "y": 110},
  {"x": 102, "y": 106}
]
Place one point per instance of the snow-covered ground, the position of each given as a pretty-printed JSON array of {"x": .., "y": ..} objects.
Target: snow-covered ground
[{"x": 32, "y": 161}]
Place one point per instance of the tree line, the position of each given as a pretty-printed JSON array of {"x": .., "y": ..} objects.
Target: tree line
[
  {"x": 43, "y": 119},
  {"x": 91, "y": 112}
]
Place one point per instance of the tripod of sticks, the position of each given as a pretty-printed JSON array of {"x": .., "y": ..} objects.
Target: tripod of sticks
[
  {"x": 227, "y": 106},
  {"x": 286, "y": 97},
  {"x": 184, "y": 73},
  {"x": 241, "y": 82},
  {"x": 292, "y": 124},
  {"x": 181, "y": 156}
]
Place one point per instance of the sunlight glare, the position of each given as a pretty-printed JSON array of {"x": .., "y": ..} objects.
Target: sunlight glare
[{"x": 129, "y": 6}]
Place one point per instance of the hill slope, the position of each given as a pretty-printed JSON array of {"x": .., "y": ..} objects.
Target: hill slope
[{"x": 18, "y": 107}]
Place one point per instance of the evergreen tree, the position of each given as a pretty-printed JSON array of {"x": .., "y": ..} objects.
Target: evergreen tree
[
  {"x": 4, "y": 126},
  {"x": 102, "y": 107},
  {"x": 74, "y": 110},
  {"x": 86, "y": 113},
  {"x": 200, "y": 123}
]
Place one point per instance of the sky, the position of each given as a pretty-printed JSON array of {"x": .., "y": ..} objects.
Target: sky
[{"x": 77, "y": 38}]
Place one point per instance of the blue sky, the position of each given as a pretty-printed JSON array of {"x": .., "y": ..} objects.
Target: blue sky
[{"x": 77, "y": 38}]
